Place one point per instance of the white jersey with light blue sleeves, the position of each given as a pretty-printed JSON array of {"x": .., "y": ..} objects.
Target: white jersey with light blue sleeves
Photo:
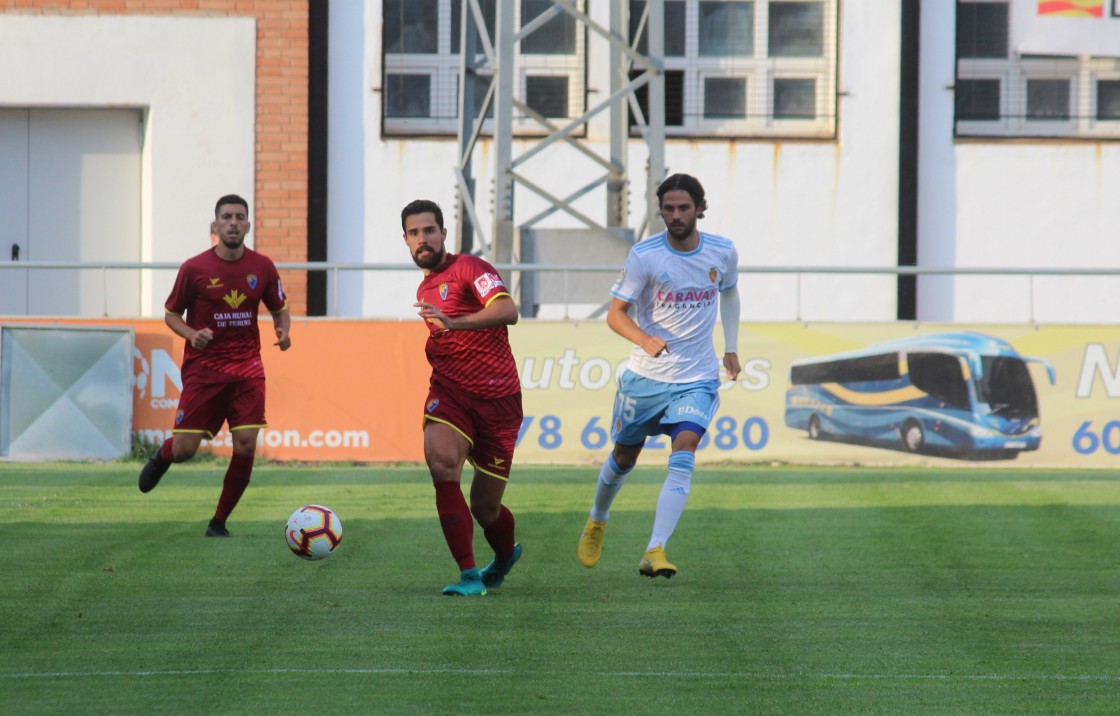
[{"x": 676, "y": 297}]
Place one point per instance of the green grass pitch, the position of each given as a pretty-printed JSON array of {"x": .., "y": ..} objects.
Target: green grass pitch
[{"x": 802, "y": 591}]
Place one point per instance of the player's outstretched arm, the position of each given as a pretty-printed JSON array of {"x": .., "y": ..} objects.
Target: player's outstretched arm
[
  {"x": 502, "y": 311},
  {"x": 620, "y": 321}
]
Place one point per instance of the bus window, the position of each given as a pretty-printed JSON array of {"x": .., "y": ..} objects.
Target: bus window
[
  {"x": 1007, "y": 387},
  {"x": 847, "y": 370},
  {"x": 939, "y": 374}
]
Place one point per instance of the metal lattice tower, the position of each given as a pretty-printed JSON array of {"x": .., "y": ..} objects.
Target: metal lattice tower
[{"x": 495, "y": 55}]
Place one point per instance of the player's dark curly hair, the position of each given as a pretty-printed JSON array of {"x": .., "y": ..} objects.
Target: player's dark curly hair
[
  {"x": 684, "y": 182},
  {"x": 231, "y": 199},
  {"x": 422, "y": 206}
]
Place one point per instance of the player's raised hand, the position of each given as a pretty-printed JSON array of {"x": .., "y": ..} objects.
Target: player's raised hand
[{"x": 431, "y": 314}]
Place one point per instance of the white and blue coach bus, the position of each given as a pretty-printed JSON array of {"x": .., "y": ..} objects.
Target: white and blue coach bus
[{"x": 964, "y": 394}]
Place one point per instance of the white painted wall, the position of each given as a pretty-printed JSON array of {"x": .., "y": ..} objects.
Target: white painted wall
[
  {"x": 1042, "y": 205},
  {"x": 195, "y": 80}
]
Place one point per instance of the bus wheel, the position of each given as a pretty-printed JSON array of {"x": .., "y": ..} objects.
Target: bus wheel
[
  {"x": 815, "y": 431},
  {"x": 912, "y": 436}
]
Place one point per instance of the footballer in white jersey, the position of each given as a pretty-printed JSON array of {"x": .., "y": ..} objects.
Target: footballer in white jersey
[
  {"x": 677, "y": 283},
  {"x": 675, "y": 295}
]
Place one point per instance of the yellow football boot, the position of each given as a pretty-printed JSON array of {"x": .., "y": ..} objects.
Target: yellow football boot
[
  {"x": 655, "y": 564},
  {"x": 591, "y": 542}
]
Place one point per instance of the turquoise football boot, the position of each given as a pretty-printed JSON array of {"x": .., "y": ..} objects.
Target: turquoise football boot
[
  {"x": 470, "y": 585},
  {"x": 494, "y": 573}
]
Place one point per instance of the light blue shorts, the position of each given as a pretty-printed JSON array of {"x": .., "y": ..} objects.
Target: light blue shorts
[{"x": 644, "y": 407}]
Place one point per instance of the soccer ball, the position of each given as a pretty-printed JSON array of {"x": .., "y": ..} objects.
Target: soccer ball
[{"x": 313, "y": 532}]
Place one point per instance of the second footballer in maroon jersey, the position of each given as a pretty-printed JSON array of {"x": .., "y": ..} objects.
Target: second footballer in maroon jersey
[
  {"x": 214, "y": 305},
  {"x": 473, "y": 409}
]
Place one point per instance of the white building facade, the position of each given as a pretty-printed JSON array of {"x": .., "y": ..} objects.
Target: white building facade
[
  {"x": 968, "y": 134},
  {"x": 805, "y": 190}
]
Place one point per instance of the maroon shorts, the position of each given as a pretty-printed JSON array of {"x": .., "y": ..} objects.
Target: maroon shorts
[
  {"x": 203, "y": 407},
  {"x": 490, "y": 425}
]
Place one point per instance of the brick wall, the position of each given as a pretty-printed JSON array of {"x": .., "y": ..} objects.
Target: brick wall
[{"x": 280, "y": 215}]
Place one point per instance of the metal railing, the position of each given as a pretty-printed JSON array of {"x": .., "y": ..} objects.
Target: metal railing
[{"x": 799, "y": 272}]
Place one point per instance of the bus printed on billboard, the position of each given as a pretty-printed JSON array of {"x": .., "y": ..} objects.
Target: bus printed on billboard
[{"x": 963, "y": 394}]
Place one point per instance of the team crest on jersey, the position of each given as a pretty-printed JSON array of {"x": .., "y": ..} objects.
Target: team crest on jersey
[
  {"x": 713, "y": 274},
  {"x": 252, "y": 279},
  {"x": 431, "y": 406},
  {"x": 443, "y": 291},
  {"x": 487, "y": 282}
]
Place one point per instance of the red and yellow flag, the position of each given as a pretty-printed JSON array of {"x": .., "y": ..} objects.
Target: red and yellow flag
[{"x": 1071, "y": 8}]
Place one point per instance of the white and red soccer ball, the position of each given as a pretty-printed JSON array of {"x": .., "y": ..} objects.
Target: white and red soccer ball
[{"x": 313, "y": 532}]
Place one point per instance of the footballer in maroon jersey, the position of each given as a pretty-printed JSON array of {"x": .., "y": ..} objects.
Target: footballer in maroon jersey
[
  {"x": 214, "y": 306},
  {"x": 473, "y": 409},
  {"x": 478, "y": 361},
  {"x": 225, "y": 296}
]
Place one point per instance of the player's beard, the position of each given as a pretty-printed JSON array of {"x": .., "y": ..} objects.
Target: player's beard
[
  {"x": 430, "y": 259},
  {"x": 232, "y": 243},
  {"x": 681, "y": 231}
]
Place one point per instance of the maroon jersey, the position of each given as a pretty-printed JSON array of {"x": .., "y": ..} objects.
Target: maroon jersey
[
  {"x": 479, "y": 362},
  {"x": 225, "y": 296}
]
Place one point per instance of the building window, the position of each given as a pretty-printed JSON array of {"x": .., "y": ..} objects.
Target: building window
[
  {"x": 1001, "y": 91},
  {"x": 982, "y": 29},
  {"x": 548, "y": 96},
  {"x": 725, "y": 98},
  {"x": 796, "y": 29},
  {"x": 795, "y": 98},
  {"x": 674, "y": 27},
  {"x": 745, "y": 68},
  {"x": 1048, "y": 99},
  {"x": 421, "y": 45},
  {"x": 411, "y": 28},
  {"x": 487, "y": 7},
  {"x": 726, "y": 29},
  {"x": 408, "y": 96},
  {"x": 977, "y": 99},
  {"x": 1108, "y": 100},
  {"x": 674, "y": 99},
  {"x": 556, "y": 37}
]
